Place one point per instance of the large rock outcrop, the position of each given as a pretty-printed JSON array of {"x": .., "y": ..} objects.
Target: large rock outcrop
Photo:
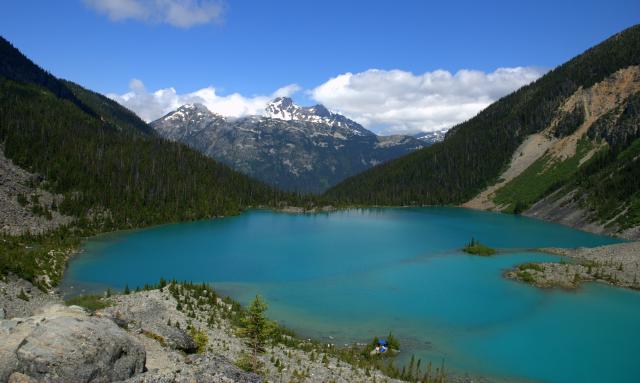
[{"x": 64, "y": 344}]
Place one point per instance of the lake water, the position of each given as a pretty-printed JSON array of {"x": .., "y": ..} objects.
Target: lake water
[{"x": 350, "y": 275}]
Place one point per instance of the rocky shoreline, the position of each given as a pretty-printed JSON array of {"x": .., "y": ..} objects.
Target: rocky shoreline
[
  {"x": 150, "y": 336},
  {"x": 617, "y": 265}
]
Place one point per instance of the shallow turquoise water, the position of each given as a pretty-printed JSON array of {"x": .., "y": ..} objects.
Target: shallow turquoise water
[{"x": 348, "y": 276}]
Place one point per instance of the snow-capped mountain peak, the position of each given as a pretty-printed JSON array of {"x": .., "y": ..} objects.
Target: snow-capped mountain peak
[
  {"x": 284, "y": 108},
  {"x": 186, "y": 120},
  {"x": 292, "y": 147},
  {"x": 193, "y": 112}
]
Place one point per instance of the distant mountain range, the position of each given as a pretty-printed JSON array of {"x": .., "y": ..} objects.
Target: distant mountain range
[{"x": 303, "y": 149}]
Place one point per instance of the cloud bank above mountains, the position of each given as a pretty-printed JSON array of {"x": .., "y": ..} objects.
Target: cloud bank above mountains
[
  {"x": 155, "y": 104},
  {"x": 385, "y": 101},
  {"x": 396, "y": 101}
]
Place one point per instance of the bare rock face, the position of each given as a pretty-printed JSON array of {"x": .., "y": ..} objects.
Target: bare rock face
[
  {"x": 200, "y": 368},
  {"x": 142, "y": 314},
  {"x": 64, "y": 344}
]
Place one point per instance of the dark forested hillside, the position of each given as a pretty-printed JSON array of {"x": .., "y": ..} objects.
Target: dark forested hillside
[
  {"x": 16, "y": 66},
  {"x": 475, "y": 152},
  {"x": 110, "y": 111},
  {"x": 110, "y": 167}
]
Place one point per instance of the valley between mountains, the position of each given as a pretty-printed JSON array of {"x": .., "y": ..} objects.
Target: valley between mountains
[{"x": 298, "y": 149}]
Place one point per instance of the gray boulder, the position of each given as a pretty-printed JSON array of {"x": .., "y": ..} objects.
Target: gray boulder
[
  {"x": 64, "y": 344},
  {"x": 143, "y": 314},
  {"x": 177, "y": 339}
]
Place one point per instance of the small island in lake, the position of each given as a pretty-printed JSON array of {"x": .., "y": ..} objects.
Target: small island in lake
[{"x": 476, "y": 248}]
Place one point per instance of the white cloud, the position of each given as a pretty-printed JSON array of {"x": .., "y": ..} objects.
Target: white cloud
[
  {"x": 396, "y": 101},
  {"x": 387, "y": 102},
  {"x": 179, "y": 13},
  {"x": 153, "y": 105}
]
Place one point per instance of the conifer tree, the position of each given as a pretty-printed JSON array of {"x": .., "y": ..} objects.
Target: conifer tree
[{"x": 256, "y": 328}]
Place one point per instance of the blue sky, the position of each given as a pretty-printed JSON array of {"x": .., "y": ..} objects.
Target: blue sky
[{"x": 254, "y": 48}]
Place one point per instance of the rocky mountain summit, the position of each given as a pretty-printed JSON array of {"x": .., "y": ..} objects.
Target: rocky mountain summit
[
  {"x": 306, "y": 149},
  {"x": 283, "y": 108}
]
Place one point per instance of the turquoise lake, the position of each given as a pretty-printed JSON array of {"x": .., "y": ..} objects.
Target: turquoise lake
[{"x": 350, "y": 275}]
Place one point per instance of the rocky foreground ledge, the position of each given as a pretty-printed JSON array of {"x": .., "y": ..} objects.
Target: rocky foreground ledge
[
  {"x": 153, "y": 335},
  {"x": 51, "y": 342},
  {"x": 617, "y": 264},
  {"x": 177, "y": 333}
]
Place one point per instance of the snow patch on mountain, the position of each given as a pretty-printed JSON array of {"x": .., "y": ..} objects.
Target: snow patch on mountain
[{"x": 284, "y": 108}]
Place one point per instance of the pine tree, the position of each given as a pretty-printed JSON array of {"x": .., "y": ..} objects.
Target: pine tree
[{"x": 256, "y": 328}]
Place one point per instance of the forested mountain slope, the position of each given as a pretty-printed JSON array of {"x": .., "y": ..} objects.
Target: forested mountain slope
[
  {"x": 106, "y": 162},
  {"x": 571, "y": 132},
  {"x": 76, "y": 163}
]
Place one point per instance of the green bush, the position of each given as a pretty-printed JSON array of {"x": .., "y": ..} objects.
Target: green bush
[
  {"x": 201, "y": 339},
  {"x": 23, "y": 295},
  {"x": 245, "y": 363},
  {"x": 525, "y": 276},
  {"x": 89, "y": 302}
]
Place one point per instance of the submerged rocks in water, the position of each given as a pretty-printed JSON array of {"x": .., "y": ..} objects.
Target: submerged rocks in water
[{"x": 64, "y": 344}]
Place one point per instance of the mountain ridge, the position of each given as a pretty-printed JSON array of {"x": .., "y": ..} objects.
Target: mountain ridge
[
  {"x": 302, "y": 149},
  {"x": 99, "y": 156}
]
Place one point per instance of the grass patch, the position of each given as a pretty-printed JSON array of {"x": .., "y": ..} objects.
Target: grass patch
[
  {"x": 525, "y": 276},
  {"x": 476, "y": 248},
  {"x": 530, "y": 266},
  {"x": 544, "y": 176},
  {"x": 23, "y": 295},
  {"x": 245, "y": 363},
  {"x": 89, "y": 302},
  {"x": 201, "y": 339},
  {"x": 154, "y": 336}
]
